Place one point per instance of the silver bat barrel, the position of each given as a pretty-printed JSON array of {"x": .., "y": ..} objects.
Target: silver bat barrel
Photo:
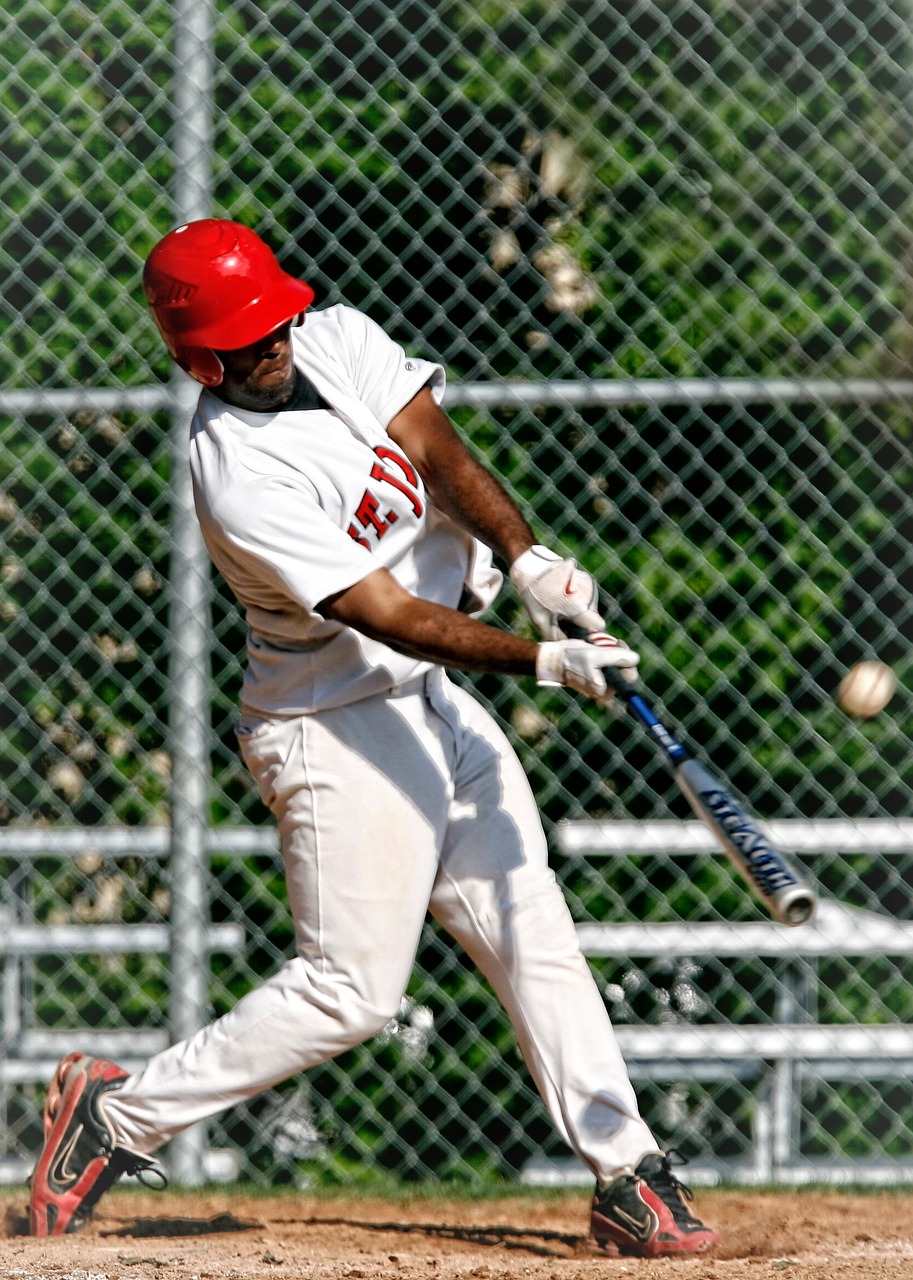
[{"x": 790, "y": 899}]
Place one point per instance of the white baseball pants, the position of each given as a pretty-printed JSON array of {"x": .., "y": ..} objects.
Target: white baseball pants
[{"x": 388, "y": 808}]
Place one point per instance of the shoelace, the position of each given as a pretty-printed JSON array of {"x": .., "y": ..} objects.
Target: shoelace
[
  {"x": 671, "y": 1190},
  {"x": 132, "y": 1165},
  {"x": 121, "y": 1162}
]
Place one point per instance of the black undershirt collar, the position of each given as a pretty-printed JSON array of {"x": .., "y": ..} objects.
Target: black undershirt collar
[{"x": 304, "y": 396}]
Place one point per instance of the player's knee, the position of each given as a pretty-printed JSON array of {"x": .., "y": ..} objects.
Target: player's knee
[
  {"x": 374, "y": 1024},
  {"x": 369, "y": 1014},
  {"x": 358, "y": 1010}
]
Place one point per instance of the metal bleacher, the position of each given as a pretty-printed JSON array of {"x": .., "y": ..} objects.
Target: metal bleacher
[
  {"x": 30, "y": 1052},
  {"x": 775, "y": 1059},
  {"x": 777, "y": 1056}
]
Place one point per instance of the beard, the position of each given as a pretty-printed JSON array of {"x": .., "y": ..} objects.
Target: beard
[{"x": 260, "y": 397}]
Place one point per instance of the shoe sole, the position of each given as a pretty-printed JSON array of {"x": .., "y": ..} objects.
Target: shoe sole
[{"x": 660, "y": 1249}]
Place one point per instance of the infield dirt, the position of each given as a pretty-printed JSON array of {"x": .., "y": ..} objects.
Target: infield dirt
[{"x": 227, "y": 1235}]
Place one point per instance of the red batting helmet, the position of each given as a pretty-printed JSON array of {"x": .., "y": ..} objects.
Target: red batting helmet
[{"x": 213, "y": 285}]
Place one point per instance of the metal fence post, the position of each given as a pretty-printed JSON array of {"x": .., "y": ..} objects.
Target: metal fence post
[{"x": 189, "y": 1007}]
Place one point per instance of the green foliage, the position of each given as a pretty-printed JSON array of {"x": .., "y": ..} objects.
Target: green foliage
[{"x": 86, "y": 510}]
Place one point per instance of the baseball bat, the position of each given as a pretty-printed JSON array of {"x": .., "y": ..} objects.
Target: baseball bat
[{"x": 788, "y": 897}]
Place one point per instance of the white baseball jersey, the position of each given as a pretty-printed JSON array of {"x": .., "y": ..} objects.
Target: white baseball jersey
[{"x": 298, "y": 505}]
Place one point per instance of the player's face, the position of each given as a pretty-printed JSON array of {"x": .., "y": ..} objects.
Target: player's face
[{"x": 260, "y": 376}]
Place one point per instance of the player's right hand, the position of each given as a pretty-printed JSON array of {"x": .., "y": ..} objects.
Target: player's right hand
[{"x": 581, "y": 664}]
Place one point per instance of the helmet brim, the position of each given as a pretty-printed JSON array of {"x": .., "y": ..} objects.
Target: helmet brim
[{"x": 283, "y": 301}]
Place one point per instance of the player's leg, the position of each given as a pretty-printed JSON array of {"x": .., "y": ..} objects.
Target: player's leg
[
  {"x": 497, "y": 895},
  {"x": 360, "y": 856}
]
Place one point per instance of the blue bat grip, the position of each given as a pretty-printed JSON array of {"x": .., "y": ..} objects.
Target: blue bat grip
[{"x": 674, "y": 751}]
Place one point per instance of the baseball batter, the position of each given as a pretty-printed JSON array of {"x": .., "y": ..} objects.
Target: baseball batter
[{"x": 358, "y": 534}]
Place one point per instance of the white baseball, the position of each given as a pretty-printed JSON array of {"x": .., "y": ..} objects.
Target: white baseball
[{"x": 866, "y": 689}]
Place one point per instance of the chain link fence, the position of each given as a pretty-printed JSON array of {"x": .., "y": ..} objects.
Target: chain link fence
[{"x": 664, "y": 250}]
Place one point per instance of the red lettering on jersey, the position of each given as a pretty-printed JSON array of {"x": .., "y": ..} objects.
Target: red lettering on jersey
[
  {"x": 366, "y": 514},
  {"x": 410, "y": 487},
  {"x": 353, "y": 533},
  {"x": 368, "y": 511}
]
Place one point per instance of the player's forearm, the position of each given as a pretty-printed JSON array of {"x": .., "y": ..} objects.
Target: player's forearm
[
  {"x": 453, "y": 639},
  {"x": 476, "y": 500},
  {"x": 380, "y": 609},
  {"x": 457, "y": 483}
]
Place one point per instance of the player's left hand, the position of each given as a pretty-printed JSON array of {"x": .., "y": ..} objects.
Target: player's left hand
[
  {"x": 582, "y": 664},
  {"x": 553, "y": 588}
]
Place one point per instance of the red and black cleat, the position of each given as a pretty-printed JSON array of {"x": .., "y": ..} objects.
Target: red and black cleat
[
  {"x": 644, "y": 1214},
  {"x": 80, "y": 1158}
]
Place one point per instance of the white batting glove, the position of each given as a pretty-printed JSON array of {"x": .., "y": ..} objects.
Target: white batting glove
[
  {"x": 581, "y": 664},
  {"x": 552, "y": 588}
]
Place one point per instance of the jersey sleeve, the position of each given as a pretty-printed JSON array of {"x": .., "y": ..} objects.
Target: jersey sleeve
[
  {"x": 285, "y": 548},
  {"x": 386, "y": 377}
]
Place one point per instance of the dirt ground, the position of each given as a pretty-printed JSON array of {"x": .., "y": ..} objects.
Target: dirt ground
[{"x": 225, "y": 1235}]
